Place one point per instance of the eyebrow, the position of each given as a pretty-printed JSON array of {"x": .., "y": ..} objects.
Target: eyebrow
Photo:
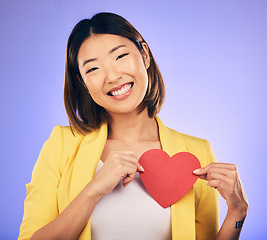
[
  {"x": 116, "y": 48},
  {"x": 111, "y": 51},
  {"x": 89, "y": 60}
]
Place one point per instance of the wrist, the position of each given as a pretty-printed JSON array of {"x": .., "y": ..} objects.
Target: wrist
[
  {"x": 239, "y": 212},
  {"x": 93, "y": 191}
]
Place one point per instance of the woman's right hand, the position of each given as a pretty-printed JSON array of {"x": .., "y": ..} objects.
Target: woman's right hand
[
  {"x": 70, "y": 223},
  {"x": 118, "y": 165}
]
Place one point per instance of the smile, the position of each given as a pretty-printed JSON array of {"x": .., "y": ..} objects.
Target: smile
[{"x": 124, "y": 89}]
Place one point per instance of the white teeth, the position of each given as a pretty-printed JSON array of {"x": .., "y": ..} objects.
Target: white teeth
[{"x": 121, "y": 91}]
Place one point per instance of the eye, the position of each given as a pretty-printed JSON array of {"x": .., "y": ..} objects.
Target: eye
[
  {"x": 121, "y": 56},
  {"x": 91, "y": 69}
]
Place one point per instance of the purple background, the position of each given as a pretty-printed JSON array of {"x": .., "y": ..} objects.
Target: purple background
[{"x": 212, "y": 55}]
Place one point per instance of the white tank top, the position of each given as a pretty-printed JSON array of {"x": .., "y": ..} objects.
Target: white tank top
[{"x": 130, "y": 213}]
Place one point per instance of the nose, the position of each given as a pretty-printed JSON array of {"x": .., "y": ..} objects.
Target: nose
[{"x": 112, "y": 74}]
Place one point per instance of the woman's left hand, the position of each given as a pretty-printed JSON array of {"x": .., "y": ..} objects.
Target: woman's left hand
[{"x": 225, "y": 178}]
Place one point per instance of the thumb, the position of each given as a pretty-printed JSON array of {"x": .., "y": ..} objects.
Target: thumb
[
  {"x": 140, "y": 168},
  {"x": 202, "y": 172}
]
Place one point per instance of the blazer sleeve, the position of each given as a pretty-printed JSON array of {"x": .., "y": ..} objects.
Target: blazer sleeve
[
  {"x": 207, "y": 210},
  {"x": 40, "y": 206}
]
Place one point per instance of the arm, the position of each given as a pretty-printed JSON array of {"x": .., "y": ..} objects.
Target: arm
[
  {"x": 70, "y": 223},
  {"x": 41, "y": 219},
  {"x": 225, "y": 178}
]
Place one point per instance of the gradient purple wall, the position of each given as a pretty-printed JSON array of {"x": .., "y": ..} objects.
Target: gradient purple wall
[{"x": 213, "y": 56}]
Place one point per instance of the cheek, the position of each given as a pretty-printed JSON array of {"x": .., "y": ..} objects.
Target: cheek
[
  {"x": 137, "y": 67},
  {"x": 93, "y": 88}
]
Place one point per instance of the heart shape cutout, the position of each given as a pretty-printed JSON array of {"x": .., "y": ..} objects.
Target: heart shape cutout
[{"x": 166, "y": 178}]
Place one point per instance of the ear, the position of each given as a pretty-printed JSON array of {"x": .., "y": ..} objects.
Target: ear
[{"x": 145, "y": 54}]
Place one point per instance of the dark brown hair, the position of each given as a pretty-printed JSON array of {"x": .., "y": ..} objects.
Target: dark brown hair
[{"x": 84, "y": 114}]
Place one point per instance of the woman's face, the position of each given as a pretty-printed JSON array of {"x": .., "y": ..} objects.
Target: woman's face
[{"x": 114, "y": 72}]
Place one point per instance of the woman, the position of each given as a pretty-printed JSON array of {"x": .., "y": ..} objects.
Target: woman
[{"x": 80, "y": 185}]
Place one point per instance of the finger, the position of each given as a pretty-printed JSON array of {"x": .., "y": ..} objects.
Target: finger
[
  {"x": 120, "y": 161},
  {"x": 129, "y": 171},
  {"x": 127, "y": 156},
  {"x": 117, "y": 154},
  {"x": 129, "y": 178},
  {"x": 213, "y": 175},
  {"x": 223, "y": 184},
  {"x": 214, "y": 183},
  {"x": 220, "y": 167},
  {"x": 222, "y": 178},
  {"x": 134, "y": 160},
  {"x": 220, "y": 185},
  {"x": 129, "y": 152},
  {"x": 140, "y": 168},
  {"x": 126, "y": 168},
  {"x": 219, "y": 173},
  {"x": 125, "y": 184},
  {"x": 213, "y": 171}
]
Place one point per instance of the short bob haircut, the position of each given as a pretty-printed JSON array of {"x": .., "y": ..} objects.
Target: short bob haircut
[{"x": 84, "y": 114}]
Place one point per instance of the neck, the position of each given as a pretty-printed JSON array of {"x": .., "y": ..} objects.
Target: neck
[{"x": 133, "y": 127}]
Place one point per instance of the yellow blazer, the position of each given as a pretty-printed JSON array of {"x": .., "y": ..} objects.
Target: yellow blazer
[{"x": 67, "y": 163}]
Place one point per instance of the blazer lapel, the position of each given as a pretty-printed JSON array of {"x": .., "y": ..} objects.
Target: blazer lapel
[
  {"x": 183, "y": 211},
  {"x": 87, "y": 159},
  {"x": 86, "y": 163}
]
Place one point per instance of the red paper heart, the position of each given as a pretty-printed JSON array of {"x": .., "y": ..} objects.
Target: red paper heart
[{"x": 166, "y": 178}]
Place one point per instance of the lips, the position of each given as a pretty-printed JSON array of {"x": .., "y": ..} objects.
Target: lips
[{"x": 120, "y": 90}]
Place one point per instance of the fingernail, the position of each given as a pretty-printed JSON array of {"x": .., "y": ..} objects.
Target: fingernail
[
  {"x": 125, "y": 184},
  {"x": 142, "y": 169},
  {"x": 196, "y": 171}
]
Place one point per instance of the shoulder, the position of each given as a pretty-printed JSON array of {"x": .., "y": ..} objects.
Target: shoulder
[
  {"x": 65, "y": 132},
  {"x": 190, "y": 141},
  {"x": 64, "y": 141},
  {"x": 195, "y": 145},
  {"x": 175, "y": 141},
  {"x": 65, "y": 135},
  {"x": 69, "y": 140},
  {"x": 193, "y": 142}
]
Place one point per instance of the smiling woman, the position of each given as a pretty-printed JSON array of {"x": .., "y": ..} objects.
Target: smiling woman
[
  {"x": 113, "y": 91},
  {"x": 81, "y": 64}
]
